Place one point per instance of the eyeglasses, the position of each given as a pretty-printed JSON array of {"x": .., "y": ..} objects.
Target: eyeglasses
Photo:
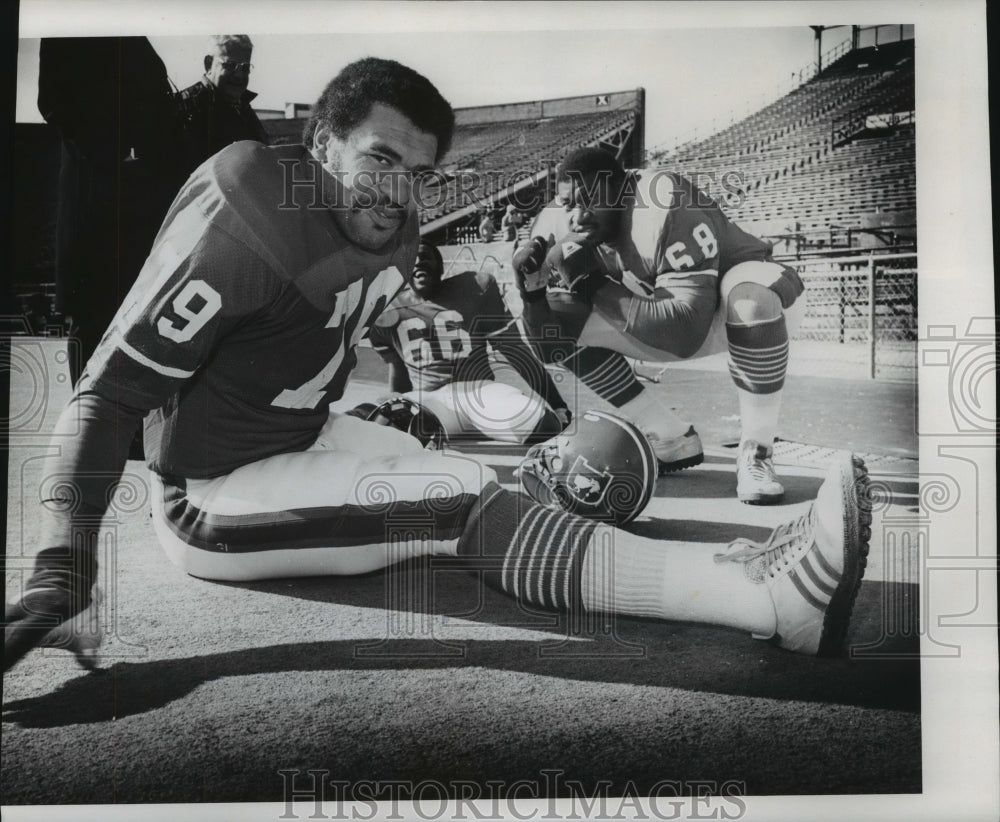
[{"x": 243, "y": 68}]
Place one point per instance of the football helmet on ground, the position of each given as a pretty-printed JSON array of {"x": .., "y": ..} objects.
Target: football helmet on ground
[
  {"x": 405, "y": 415},
  {"x": 602, "y": 468}
]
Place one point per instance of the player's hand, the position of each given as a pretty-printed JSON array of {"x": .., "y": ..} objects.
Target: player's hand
[
  {"x": 528, "y": 265},
  {"x": 577, "y": 267},
  {"x": 789, "y": 286},
  {"x": 59, "y": 589}
]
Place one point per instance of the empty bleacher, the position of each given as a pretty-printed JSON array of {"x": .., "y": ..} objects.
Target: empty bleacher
[
  {"x": 504, "y": 151},
  {"x": 808, "y": 163},
  {"x": 486, "y": 159}
]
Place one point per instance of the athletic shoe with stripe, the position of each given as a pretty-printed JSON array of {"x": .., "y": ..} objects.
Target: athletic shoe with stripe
[
  {"x": 813, "y": 565},
  {"x": 675, "y": 453},
  {"x": 756, "y": 481}
]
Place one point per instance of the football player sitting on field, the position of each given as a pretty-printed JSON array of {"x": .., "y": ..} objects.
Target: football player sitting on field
[
  {"x": 435, "y": 337},
  {"x": 271, "y": 266},
  {"x": 646, "y": 265}
]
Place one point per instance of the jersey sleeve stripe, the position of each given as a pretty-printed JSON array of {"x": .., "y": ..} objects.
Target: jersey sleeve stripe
[{"x": 142, "y": 359}]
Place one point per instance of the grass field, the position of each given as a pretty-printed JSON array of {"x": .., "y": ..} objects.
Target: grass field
[{"x": 417, "y": 676}]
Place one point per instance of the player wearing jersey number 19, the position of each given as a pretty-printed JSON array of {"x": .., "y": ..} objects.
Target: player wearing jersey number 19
[{"x": 252, "y": 476}]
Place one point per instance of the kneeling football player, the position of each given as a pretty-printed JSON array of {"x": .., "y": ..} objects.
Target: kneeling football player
[{"x": 647, "y": 266}]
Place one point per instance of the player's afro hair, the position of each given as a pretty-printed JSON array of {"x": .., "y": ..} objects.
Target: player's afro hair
[
  {"x": 587, "y": 166},
  {"x": 348, "y": 99}
]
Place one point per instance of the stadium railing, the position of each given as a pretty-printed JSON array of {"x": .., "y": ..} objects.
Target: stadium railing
[{"x": 866, "y": 304}]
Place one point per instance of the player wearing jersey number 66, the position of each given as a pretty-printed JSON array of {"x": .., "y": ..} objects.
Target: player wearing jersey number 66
[
  {"x": 271, "y": 266},
  {"x": 435, "y": 337}
]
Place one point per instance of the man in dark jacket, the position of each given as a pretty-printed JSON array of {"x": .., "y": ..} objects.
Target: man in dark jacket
[
  {"x": 216, "y": 110},
  {"x": 112, "y": 103}
]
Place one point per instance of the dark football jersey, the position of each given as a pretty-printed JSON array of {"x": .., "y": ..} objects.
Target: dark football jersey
[
  {"x": 442, "y": 338},
  {"x": 674, "y": 228},
  {"x": 678, "y": 229},
  {"x": 241, "y": 328}
]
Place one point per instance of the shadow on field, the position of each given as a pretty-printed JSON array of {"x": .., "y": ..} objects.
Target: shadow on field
[{"x": 630, "y": 651}]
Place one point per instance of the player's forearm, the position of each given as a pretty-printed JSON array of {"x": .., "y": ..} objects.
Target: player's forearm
[
  {"x": 683, "y": 305},
  {"x": 92, "y": 436},
  {"x": 529, "y": 367},
  {"x": 535, "y": 314},
  {"x": 399, "y": 378}
]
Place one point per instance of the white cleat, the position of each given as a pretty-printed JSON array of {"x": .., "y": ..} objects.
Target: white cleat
[
  {"x": 675, "y": 453},
  {"x": 813, "y": 566},
  {"x": 756, "y": 481}
]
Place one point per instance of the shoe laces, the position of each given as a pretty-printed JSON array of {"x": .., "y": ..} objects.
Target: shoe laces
[
  {"x": 759, "y": 467},
  {"x": 779, "y": 545}
]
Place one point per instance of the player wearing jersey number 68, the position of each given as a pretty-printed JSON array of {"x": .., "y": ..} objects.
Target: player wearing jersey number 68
[
  {"x": 435, "y": 337},
  {"x": 646, "y": 265},
  {"x": 271, "y": 266}
]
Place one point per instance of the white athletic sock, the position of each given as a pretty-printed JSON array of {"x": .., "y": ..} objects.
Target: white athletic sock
[
  {"x": 651, "y": 414},
  {"x": 759, "y": 415},
  {"x": 758, "y": 362},
  {"x": 634, "y": 576}
]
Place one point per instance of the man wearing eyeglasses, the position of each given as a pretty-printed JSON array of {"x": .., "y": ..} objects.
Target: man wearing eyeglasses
[{"x": 216, "y": 110}]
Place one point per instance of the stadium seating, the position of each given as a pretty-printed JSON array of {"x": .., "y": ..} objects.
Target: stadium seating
[
  {"x": 807, "y": 164},
  {"x": 486, "y": 158}
]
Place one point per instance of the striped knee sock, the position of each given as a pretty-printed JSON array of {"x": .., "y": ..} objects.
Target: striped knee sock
[
  {"x": 557, "y": 561},
  {"x": 758, "y": 355},
  {"x": 606, "y": 373},
  {"x": 533, "y": 553},
  {"x": 758, "y": 360}
]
